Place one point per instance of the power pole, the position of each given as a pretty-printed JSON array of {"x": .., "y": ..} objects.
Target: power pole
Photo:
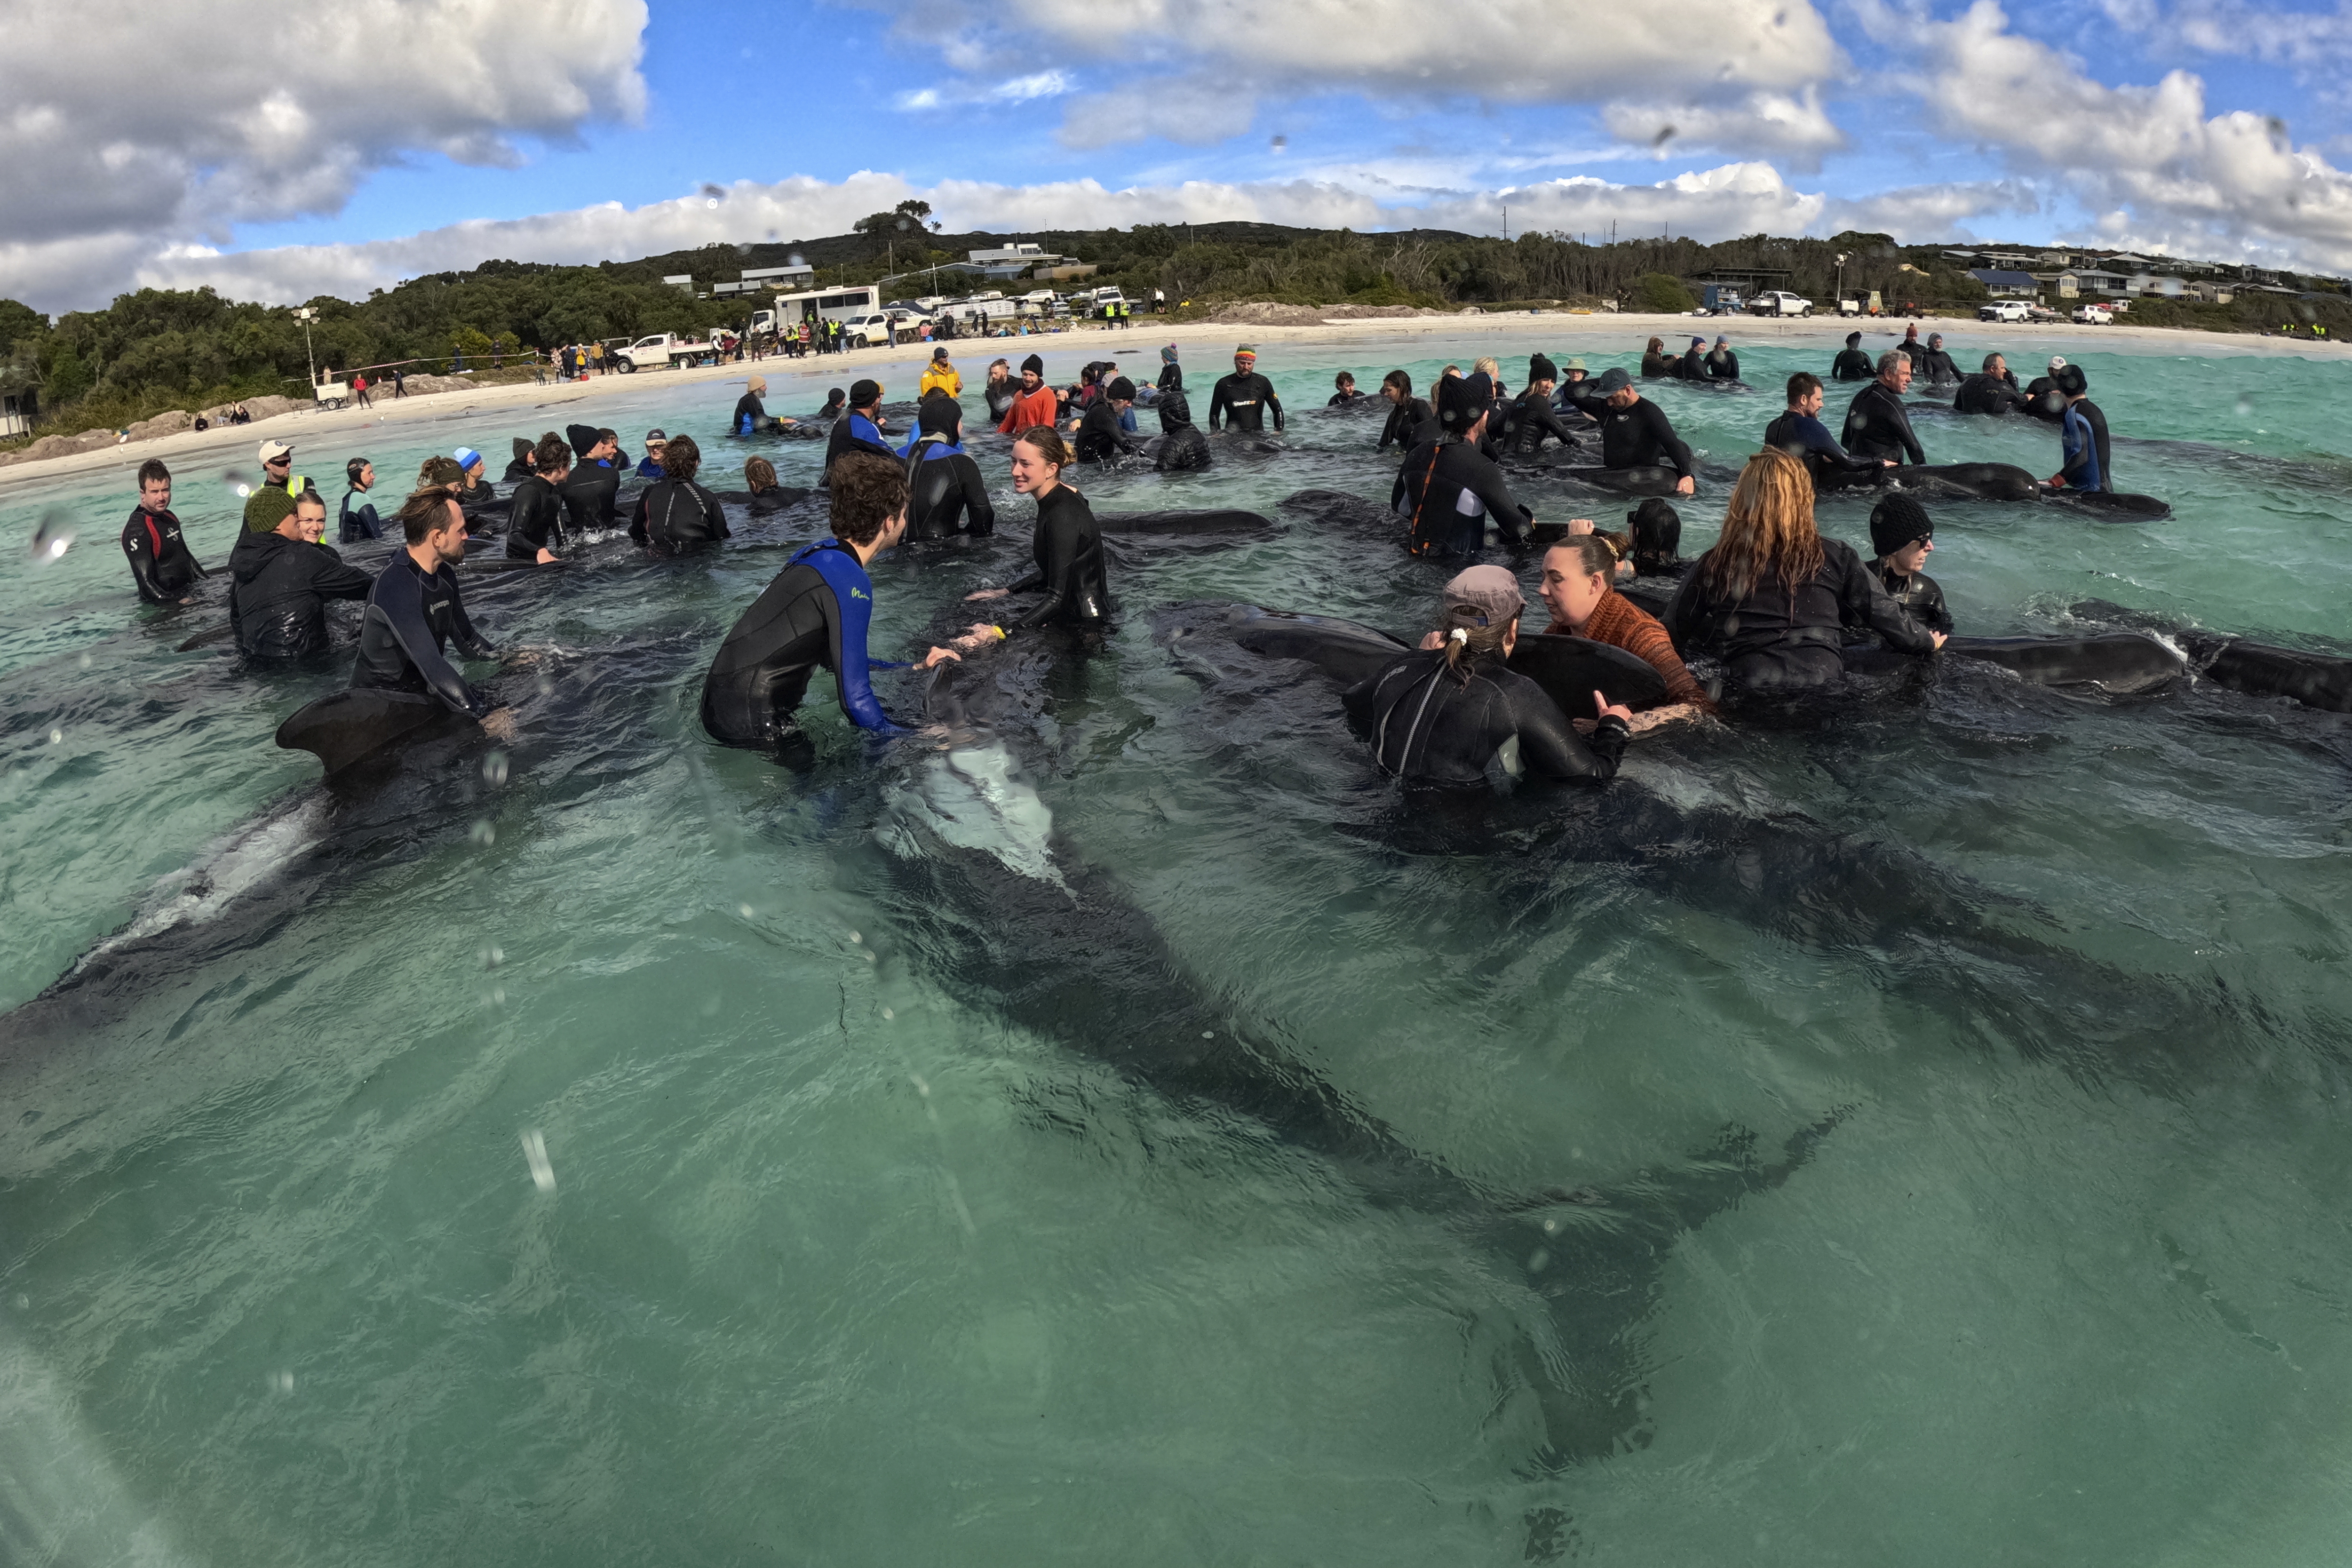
[{"x": 306, "y": 315}]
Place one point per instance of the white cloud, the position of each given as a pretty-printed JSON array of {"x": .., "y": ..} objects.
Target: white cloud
[
  {"x": 129, "y": 118},
  {"x": 1791, "y": 125}
]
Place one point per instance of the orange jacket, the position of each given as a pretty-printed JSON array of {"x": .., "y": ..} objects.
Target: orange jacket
[{"x": 1030, "y": 408}]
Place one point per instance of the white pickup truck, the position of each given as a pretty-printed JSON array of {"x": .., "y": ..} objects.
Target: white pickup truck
[
  {"x": 2004, "y": 310},
  {"x": 1779, "y": 302},
  {"x": 661, "y": 351},
  {"x": 2093, "y": 315}
]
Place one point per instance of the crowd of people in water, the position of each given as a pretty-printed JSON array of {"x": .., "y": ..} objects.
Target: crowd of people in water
[{"x": 1771, "y": 606}]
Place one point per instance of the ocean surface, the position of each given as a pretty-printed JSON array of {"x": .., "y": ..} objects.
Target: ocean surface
[{"x": 589, "y": 1150}]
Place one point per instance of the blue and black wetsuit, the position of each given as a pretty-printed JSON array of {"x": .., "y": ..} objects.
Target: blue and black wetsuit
[
  {"x": 750, "y": 415},
  {"x": 2086, "y": 463},
  {"x": 854, "y": 432},
  {"x": 816, "y": 611},
  {"x": 412, "y": 614},
  {"x": 358, "y": 522}
]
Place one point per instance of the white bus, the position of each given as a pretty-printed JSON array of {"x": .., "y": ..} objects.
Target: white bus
[{"x": 823, "y": 304}]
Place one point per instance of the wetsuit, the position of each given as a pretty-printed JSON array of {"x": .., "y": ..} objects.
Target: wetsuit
[
  {"x": 749, "y": 415},
  {"x": 160, "y": 563},
  {"x": 1938, "y": 366},
  {"x": 1069, "y": 556},
  {"x": 1170, "y": 377},
  {"x": 999, "y": 396},
  {"x": 1243, "y": 398},
  {"x": 476, "y": 500},
  {"x": 357, "y": 523},
  {"x": 1852, "y": 365},
  {"x": 1343, "y": 400},
  {"x": 2044, "y": 400},
  {"x": 1878, "y": 425},
  {"x": 2085, "y": 448},
  {"x": 1722, "y": 364},
  {"x": 1657, "y": 364},
  {"x": 1101, "y": 437},
  {"x": 1919, "y": 593},
  {"x": 591, "y": 499},
  {"x": 1404, "y": 424},
  {"x": 1445, "y": 492},
  {"x": 945, "y": 493},
  {"x": 854, "y": 432},
  {"x": 1427, "y": 725},
  {"x": 1806, "y": 438},
  {"x": 675, "y": 514},
  {"x": 277, "y": 594},
  {"x": 1984, "y": 393},
  {"x": 1641, "y": 437},
  {"x": 412, "y": 614},
  {"x": 534, "y": 520},
  {"x": 816, "y": 611},
  {"x": 517, "y": 470},
  {"x": 1693, "y": 366},
  {"x": 1916, "y": 352},
  {"x": 1182, "y": 444},
  {"x": 1772, "y": 638},
  {"x": 1527, "y": 422}
]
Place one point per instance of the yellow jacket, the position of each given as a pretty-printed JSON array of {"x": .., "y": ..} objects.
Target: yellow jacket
[{"x": 947, "y": 379}]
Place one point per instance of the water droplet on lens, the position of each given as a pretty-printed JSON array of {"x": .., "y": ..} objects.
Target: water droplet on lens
[
  {"x": 83, "y": 662},
  {"x": 2245, "y": 407},
  {"x": 887, "y": 1014},
  {"x": 485, "y": 833},
  {"x": 1208, "y": 1033},
  {"x": 57, "y": 736},
  {"x": 492, "y": 957},
  {"x": 854, "y": 936},
  {"x": 745, "y": 911},
  {"x": 534, "y": 1153},
  {"x": 493, "y": 769}
]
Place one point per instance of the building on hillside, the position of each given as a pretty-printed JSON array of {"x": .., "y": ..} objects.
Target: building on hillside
[
  {"x": 20, "y": 400},
  {"x": 2211, "y": 293},
  {"x": 2007, "y": 283},
  {"x": 684, "y": 281}
]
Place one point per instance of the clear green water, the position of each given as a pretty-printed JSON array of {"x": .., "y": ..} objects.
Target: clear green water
[{"x": 839, "y": 1269}]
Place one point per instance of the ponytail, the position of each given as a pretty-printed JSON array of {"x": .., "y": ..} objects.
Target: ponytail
[{"x": 1470, "y": 636}]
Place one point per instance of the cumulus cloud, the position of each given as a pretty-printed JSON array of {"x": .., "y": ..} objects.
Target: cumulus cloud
[
  {"x": 1791, "y": 126},
  {"x": 189, "y": 119}
]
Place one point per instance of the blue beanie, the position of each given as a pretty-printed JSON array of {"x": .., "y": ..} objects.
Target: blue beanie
[{"x": 468, "y": 457}]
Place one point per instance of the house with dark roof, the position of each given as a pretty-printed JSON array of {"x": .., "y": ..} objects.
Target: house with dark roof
[{"x": 2003, "y": 284}]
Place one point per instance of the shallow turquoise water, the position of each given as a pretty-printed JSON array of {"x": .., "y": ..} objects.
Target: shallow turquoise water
[{"x": 839, "y": 1267}]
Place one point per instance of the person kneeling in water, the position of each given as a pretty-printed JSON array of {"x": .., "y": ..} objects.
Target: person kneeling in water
[
  {"x": 948, "y": 496},
  {"x": 280, "y": 582},
  {"x": 1457, "y": 714},
  {"x": 413, "y": 612},
  {"x": 1182, "y": 444},
  {"x": 678, "y": 512},
  {"x": 1902, "y": 534},
  {"x": 1578, "y": 578},
  {"x": 816, "y": 611},
  {"x": 1774, "y": 599}
]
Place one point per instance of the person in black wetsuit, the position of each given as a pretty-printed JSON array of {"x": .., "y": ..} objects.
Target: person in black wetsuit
[
  {"x": 1635, "y": 432},
  {"x": 816, "y": 613},
  {"x": 2043, "y": 398},
  {"x": 414, "y": 612},
  {"x": 1799, "y": 431},
  {"x": 674, "y": 514},
  {"x": 1101, "y": 437},
  {"x": 1851, "y": 365},
  {"x": 999, "y": 391},
  {"x": 358, "y": 521},
  {"x": 279, "y": 584},
  {"x": 834, "y": 401},
  {"x": 1936, "y": 367},
  {"x": 1447, "y": 487},
  {"x": 476, "y": 496},
  {"x": 859, "y": 428},
  {"x": 1407, "y": 414},
  {"x": 1243, "y": 397},
  {"x": 1344, "y": 394},
  {"x": 519, "y": 469},
  {"x": 1656, "y": 361},
  {"x": 535, "y": 513},
  {"x": 946, "y": 494},
  {"x": 1068, "y": 547},
  {"x": 1532, "y": 417},
  {"x": 1181, "y": 446},
  {"x": 1454, "y": 712},
  {"x": 1722, "y": 364},
  {"x": 1774, "y": 599},
  {"x": 1877, "y": 423},
  {"x": 750, "y": 415},
  {"x": 1993, "y": 390},
  {"x": 592, "y": 493},
  {"x": 1911, "y": 348},
  {"x": 160, "y": 563},
  {"x": 1171, "y": 374},
  {"x": 1902, "y": 534},
  {"x": 1694, "y": 362}
]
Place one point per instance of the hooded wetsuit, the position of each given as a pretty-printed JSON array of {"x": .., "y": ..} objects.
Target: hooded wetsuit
[
  {"x": 2085, "y": 466},
  {"x": 160, "y": 563},
  {"x": 1878, "y": 425},
  {"x": 676, "y": 514},
  {"x": 1937, "y": 366},
  {"x": 1101, "y": 437},
  {"x": 1182, "y": 444},
  {"x": 1446, "y": 491},
  {"x": 277, "y": 594},
  {"x": 1773, "y": 638},
  {"x": 946, "y": 495},
  {"x": 412, "y": 614},
  {"x": 357, "y": 523},
  {"x": 1641, "y": 437},
  {"x": 854, "y": 432},
  {"x": 1069, "y": 551},
  {"x": 1807, "y": 439},
  {"x": 1852, "y": 365},
  {"x": 1985, "y": 392},
  {"x": 1429, "y": 725},
  {"x": 816, "y": 611},
  {"x": 1405, "y": 421},
  {"x": 1243, "y": 399}
]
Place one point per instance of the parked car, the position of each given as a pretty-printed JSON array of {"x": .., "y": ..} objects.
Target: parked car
[
  {"x": 872, "y": 331},
  {"x": 1780, "y": 302},
  {"x": 2093, "y": 315},
  {"x": 2042, "y": 313},
  {"x": 2004, "y": 310},
  {"x": 661, "y": 351}
]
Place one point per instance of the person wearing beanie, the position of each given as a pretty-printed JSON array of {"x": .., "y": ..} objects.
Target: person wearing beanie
[
  {"x": 1101, "y": 437},
  {"x": 519, "y": 469},
  {"x": 1911, "y": 348},
  {"x": 1635, "y": 432},
  {"x": 1936, "y": 365},
  {"x": 860, "y": 428},
  {"x": 1453, "y": 711},
  {"x": 1852, "y": 365},
  {"x": 1721, "y": 363},
  {"x": 1448, "y": 487},
  {"x": 939, "y": 376},
  {"x": 476, "y": 497},
  {"x": 1993, "y": 390},
  {"x": 1799, "y": 431},
  {"x": 1530, "y": 421},
  {"x": 1902, "y": 536},
  {"x": 1171, "y": 374},
  {"x": 280, "y": 582},
  {"x": 833, "y": 401},
  {"x": 1693, "y": 365},
  {"x": 592, "y": 494},
  {"x": 1243, "y": 397},
  {"x": 1181, "y": 445},
  {"x": 2082, "y": 435},
  {"x": 1034, "y": 405},
  {"x": 946, "y": 494}
]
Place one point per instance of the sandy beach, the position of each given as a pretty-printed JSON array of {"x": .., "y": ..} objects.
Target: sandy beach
[{"x": 1206, "y": 343}]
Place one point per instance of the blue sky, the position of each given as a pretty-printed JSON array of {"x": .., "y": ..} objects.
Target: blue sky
[{"x": 2208, "y": 127}]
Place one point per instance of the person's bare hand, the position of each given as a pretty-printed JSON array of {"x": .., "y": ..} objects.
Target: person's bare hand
[
  {"x": 1579, "y": 525},
  {"x": 938, "y": 656},
  {"x": 1685, "y": 486},
  {"x": 1939, "y": 638},
  {"x": 1431, "y": 641},
  {"x": 1612, "y": 709},
  {"x": 1885, "y": 462},
  {"x": 498, "y": 725},
  {"x": 985, "y": 594}
]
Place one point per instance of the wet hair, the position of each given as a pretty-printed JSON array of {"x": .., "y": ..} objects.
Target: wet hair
[
  {"x": 1804, "y": 384},
  {"x": 1048, "y": 442},
  {"x": 868, "y": 490},
  {"x": 1471, "y": 634},
  {"x": 153, "y": 471},
  {"x": 759, "y": 476},
  {"x": 352, "y": 469},
  {"x": 425, "y": 513},
  {"x": 1401, "y": 381},
  {"x": 1595, "y": 553},
  {"x": 1657, "y": 535},
  {"x": 1343, "y": 379},
  {"x": 1768, "y": 530},
  {"x": 550, "y": 457},
  {"x": 438, "y": 470},
  {"x": 681, "y": 458},
  {"x": 1892, "y": 358}
]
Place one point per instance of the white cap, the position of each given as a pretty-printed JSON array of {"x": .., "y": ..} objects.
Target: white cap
[
  {"x": 272, "y": 450},
  {"x": 2057, "y": 362}
]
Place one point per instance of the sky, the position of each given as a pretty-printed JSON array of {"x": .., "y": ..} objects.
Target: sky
[{"x": 275, "y": 150}]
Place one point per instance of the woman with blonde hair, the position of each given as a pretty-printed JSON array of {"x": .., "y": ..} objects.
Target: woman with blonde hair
[{"x": 1773, "y": 599}]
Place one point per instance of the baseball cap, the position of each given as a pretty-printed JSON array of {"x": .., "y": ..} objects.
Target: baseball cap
[
  {"x": 273, "y": 450},
  {"x": 1489, "y": 590},
  {"x": 656, "y": 437},
  {"x": 1613, "y": 378}
]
